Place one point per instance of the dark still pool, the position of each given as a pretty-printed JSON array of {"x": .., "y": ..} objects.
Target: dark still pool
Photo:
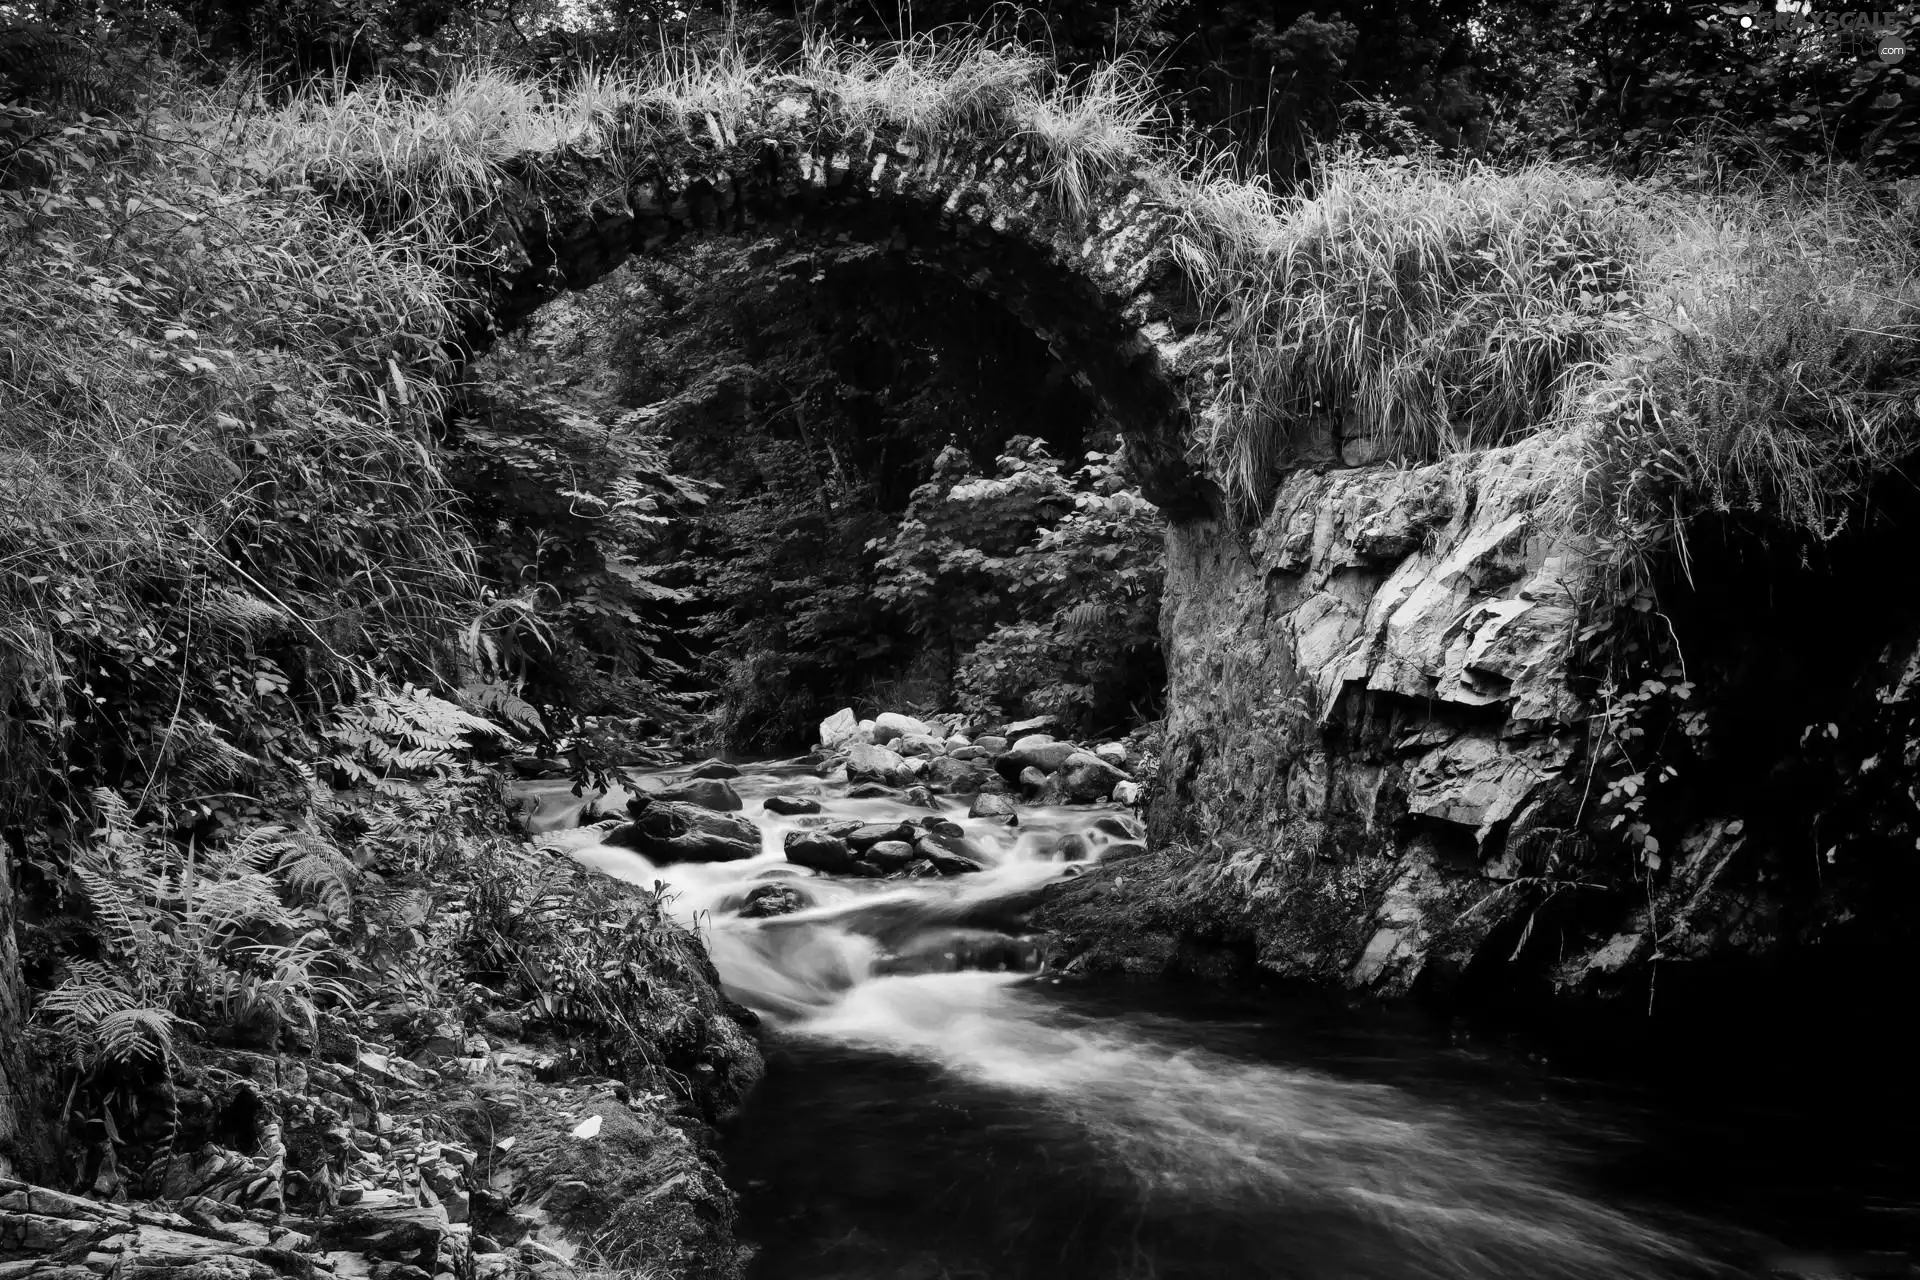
[{"x": 972, "y": 1125}]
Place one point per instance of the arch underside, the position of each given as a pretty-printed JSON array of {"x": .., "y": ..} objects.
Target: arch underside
[{"x": 1101, "y": 292}]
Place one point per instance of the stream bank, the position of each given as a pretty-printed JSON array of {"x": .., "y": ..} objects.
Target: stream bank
[
  {"x": 490, "y": 1107},
  {"x": 1416, "y": 747}
]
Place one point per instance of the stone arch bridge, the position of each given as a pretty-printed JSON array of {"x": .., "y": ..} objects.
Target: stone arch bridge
[
  {"x": 1380, "y": 649},
  {"x": 1098, "y": 287}
]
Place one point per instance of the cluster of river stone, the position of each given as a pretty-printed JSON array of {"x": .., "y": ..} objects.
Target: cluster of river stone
[
  {"x": 894, "y": 757},
  {"x": 896, "y": 751}
]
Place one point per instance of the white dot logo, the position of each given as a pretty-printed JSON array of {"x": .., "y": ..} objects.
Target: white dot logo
[{"x": 1892, "y": 48}]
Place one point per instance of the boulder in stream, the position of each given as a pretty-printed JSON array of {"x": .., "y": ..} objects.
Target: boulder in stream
[
  {"x": 868, "y": 834},
  {"x": 877, "y": 764},
  {"x": 889, "y": 725},
  {"x": 992, "y": 744},
  {"x": 1039, "y": 787},
  {"x": 1120, "y": 826},
  {"x": 790, "y": 805},
  {"x": 1036, "y": 751},
  {"x": 1086, "y": 777},
  {"x": 946, "y": 858},
  {"x": 871, "y": 791},
  {"x": 840, "y": 729},
  {"x": 925, "y": 745},
  {"x": 777, "y": 899},
  {"x": 889, "y": 855},
  {"x": 666, "y": 831},
  {"x": 708, "y": 793},
  {"x": 1072, "y": 847},
  {"x": 953, "y": 864},
  {"x": 958, "y": 776},
  {"x": 819, "y": 850},
  {"x": 713, "y": 768},
  {"x": 992, "y": 808}
]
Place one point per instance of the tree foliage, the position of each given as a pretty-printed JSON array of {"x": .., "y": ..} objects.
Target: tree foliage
[{"x": 1043, "y": 588}]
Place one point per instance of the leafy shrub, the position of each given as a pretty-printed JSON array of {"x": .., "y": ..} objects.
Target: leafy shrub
[{"x": 573, "y": 508}]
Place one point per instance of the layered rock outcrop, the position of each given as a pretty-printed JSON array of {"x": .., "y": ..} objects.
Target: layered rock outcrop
[
  {"x": 1386, "y": 643},
  {"x": 1404, "y": 755},
  {"x": 1369, "y": 693}
]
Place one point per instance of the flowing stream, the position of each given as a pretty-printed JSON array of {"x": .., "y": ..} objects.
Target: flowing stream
[{"x": 936, "y": 1109}]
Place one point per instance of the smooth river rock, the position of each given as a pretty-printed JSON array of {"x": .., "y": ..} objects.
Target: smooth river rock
[
  {"x": 668, "y": 831},
  {"x": 992, "y": 808},
  {"x": 1085, "y": 777},
  {"x": 877, "y": 764},
  {"x": 920, "y": 744},
  {"x": 1037, "y": 751},
  {"x": 708, "y": 793},
  {"x": 841, "y": 729},
  {"x": 889, "y": 725},
  {"x": 789, "y": 806},
  {"x": 819, "y": 850}
]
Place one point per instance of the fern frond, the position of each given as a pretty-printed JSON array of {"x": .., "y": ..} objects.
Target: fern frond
[
  {"x": 1086, "y": 617},
  {"x": 314, "y": 870},
  {"x": 497, "y": 698},
  {"x": 243, "y": 616},
  {"x": 200, "y": 756},
  {"x": 125, "y": 921},
  {"x": 134, "y": 1035},
  {"x": 229, "y": 906}
]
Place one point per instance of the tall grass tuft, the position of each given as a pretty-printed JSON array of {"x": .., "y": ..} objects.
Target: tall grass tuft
[
  {"x": 426, "y": 161},
  {"x": 1777, "y": 375},
  {"x": 1422, "y": 304},
  {"x": 1744, "y": 344},
  {"x": 218, "y": 488}
]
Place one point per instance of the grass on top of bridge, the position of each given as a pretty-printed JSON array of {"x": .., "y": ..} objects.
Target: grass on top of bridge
[
  {"x": 1744, "y": 341},
  {"x": 438, "y": 154},
  {"x": 1720, "y": 339}
]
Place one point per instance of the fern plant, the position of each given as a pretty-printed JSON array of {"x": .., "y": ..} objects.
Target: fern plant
[
  {"x": 390, "y": 735},
  {"x": 189, "y": 935}
]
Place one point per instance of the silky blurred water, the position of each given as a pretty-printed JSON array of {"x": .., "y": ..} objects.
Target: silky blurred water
[{"x": 924, "y": 1116}]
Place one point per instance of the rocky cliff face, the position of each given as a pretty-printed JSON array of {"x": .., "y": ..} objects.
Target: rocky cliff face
[
  {"x": 1380, "y": 770},
  {"x": 1386, "y": 644}
]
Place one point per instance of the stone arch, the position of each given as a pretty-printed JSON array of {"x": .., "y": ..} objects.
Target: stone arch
[{"x": 1100, "y": 288}]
